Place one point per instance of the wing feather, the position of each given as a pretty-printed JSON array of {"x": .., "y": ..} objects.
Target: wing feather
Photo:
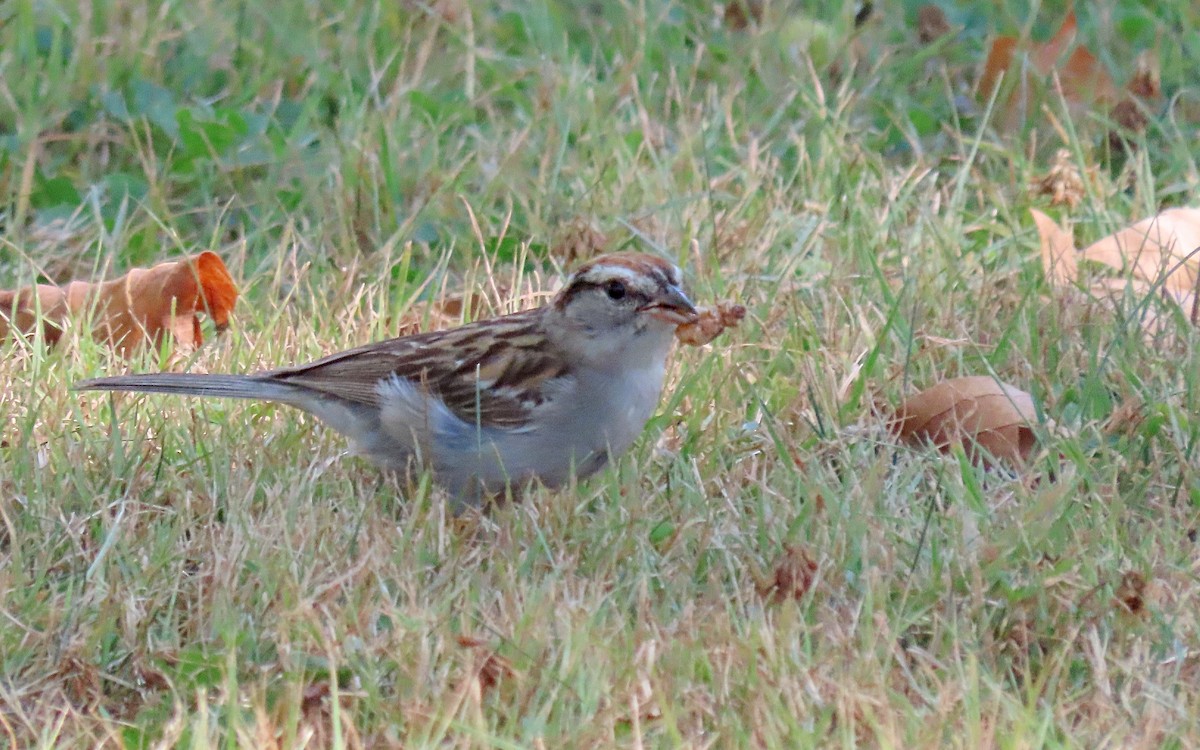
[{"x": 491, "y": 373}]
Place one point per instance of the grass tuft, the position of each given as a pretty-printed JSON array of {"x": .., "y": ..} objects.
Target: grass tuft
[{"x": 767, "y": 567}]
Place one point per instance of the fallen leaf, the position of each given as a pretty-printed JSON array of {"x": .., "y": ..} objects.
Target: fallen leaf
[
  {"x": 312, "y": 699},
  {"x": 1160, "y": 252},
  {"x": 1130, "y": 115},
  {"x": 1160, "y": 248},
  {"x": 740, "y": 13},
  {"x": 931, "y": 23},
  {"x": 1146, "y": 82},
  {"x": 1129, "y": 118},
  {"x": 1059, "y": 256},
  {"x": 999, "y": 60},
  {"x": 144, "y": 304},
  {"x": 1131, "y": 593},
  {"x": 1074, "y": 71},
  {"x": 710, "y": 323},
  {"x": 490, "y": 668},
  {"x": 976, "y": 411},
  {"x": 795, "y": 573}
]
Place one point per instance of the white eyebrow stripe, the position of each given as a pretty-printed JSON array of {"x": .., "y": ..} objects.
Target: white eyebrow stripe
[{"x": 608, "y": 272}]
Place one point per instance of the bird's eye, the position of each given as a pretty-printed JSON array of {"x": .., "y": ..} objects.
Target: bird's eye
[{"x": 615, "y": 290}]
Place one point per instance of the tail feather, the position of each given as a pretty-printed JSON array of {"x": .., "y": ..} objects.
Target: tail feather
[{"x": 195, "y": 384}]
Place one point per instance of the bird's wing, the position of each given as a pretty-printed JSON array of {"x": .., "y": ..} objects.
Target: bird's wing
[{"x": 492, "y": 373}]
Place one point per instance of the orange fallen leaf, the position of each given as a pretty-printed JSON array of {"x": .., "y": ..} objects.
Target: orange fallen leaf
[
  {"x": 144, "y": 304},
  {"x": 1076, "y": 73},
  {"x": 710, "y": 323},
  {"x": 976, "y": 411}
]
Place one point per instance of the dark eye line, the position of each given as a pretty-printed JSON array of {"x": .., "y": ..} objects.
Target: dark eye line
[{"x": 603, "y": 287}]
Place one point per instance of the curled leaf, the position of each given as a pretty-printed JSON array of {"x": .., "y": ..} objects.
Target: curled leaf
[
  {"x": 710, "y": 323},
  {"x": 976, "y": 411},
  {"x": 144, "y": 304}
]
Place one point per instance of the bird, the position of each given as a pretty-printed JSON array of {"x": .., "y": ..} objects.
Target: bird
[{"x": 545, "y": 394}]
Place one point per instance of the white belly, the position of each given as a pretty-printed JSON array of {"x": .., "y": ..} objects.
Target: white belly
[{"x": 574, "y": 433}]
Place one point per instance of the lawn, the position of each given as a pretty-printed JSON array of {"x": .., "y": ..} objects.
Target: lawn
[{"x": 769, "y": 566}]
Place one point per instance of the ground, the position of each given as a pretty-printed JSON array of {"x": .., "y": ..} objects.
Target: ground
[{"x": 769, "y": 566}]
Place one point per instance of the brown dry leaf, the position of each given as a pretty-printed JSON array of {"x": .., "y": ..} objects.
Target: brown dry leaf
[
  {"x": 1131, "y": 593},
  {"x": 312, "y": 699},
  {"x": 1063, "y": 183},
  {"x": 931, "y": 23},
  {"x": 1130, "y": 114},
  {"x": 740, "y": 13},
  {"x": 1130, "y": 118},
  {"x": 1146, "y": 82},
  {"x": 1080, "y": 77},
  {"x": 795, "y": 573},
  {"x": 493, "y": 669},
  {"x": 976, "y": 411},
  {"x": 490, "y": 668},
  {"x": 710, "y": 323},
  {"x": 144, "y": 304}
]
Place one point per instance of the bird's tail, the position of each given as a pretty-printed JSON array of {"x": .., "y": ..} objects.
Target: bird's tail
[{"x": 195, "y": 384}]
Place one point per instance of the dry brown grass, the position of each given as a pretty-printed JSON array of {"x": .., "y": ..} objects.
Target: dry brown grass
[{"x": 767, "y": 568}]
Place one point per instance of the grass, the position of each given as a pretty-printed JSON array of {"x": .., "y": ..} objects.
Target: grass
[{"x": 218, "y": 574}]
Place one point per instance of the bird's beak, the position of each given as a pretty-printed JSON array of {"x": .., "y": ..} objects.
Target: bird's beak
[{"x": 672, "y": 306}]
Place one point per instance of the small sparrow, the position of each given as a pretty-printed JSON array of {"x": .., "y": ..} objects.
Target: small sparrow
[{"x": 544, "y": 394}]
